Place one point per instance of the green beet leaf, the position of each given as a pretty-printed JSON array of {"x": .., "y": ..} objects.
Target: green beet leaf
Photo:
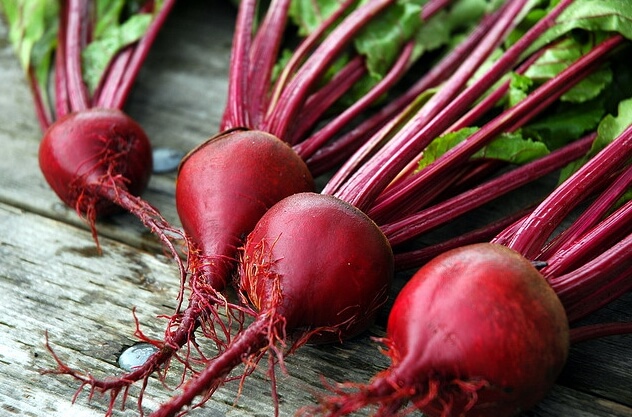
[{"x": 508, "y": 147}]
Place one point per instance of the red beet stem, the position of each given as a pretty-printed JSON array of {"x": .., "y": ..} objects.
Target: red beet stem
[
  {"x": 116, "y": 84},
  {"x": 71, "y": 93},
  {"x": 75, "y": 39},
  {"x": 590, "y": 216},
  {"x": 583, "y": 248},
  {"x": 577, "y": 287},
  {"x": 302, "y": 52},
  {"x": 105, "y": 92},
  {"x": 538, "y": 100},
  {"x": 604, "y": 294},
  {"x": 41, "y": 109},
  {"x": 62, "y": 102},
  {"x": 322, "y": 100},
  {"x": 265, "y": 49},
  {"x": 487, "y": 103},
  {"x": 236, "y": 114},
  {"x": 141, "y": 50},
  {"x": 293, "y": 97},
  {"x": 436, "y": 115},
  {"x": 416, "y": 258},
  {"x": 316, "y": 142},
  {"x": 308, "y": 147},
  {"x": 594, "y": 331},
  {"x": 536, "y": 229},
  {"x": 327, "y": 157},
  {"x": 432, "y": 7},
  {"x": 414, "y": 225}
]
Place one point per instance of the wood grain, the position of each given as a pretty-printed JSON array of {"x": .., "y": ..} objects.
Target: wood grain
[{"x": 52, "y": 280}]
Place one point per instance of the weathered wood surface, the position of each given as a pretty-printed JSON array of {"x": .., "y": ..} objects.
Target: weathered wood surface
[{"x": 52, "y": 280}]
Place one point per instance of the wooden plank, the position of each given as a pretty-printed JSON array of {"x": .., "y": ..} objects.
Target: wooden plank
[
  {"x": 566, "y": 402},
  {"x": 603, "y": 367},
  {"x": 52, "y": 281},
  {"x": 51, "y": 278},
  {"x": 84, "y": 301}
]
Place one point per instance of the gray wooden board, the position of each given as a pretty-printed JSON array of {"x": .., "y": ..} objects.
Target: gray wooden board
[{"x": 51, "y": 278}]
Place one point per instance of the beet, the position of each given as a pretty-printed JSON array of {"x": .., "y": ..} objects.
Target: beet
[
  {"x": 87, "y": 157},
  {"x": 318, "y": 262},
  {"x": 315, "y": 269},
  {"x": 477, "y": 330},
  {"x": 225, "y": 185}
]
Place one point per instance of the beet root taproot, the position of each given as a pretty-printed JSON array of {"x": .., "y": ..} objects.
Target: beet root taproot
[
  {"x": 477, "y": 331},
  {"x": 89, "y": 155},
  {"x": 315, "y": 269},
  {"x": 318, "y": 262},
  {"x": 223, "y": 188},
  {"x": 99, "y": 161}
]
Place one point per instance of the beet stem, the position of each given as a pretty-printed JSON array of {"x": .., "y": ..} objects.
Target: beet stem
[
  {"x": 440, "y": 111},
  {"x": 487, "y": 103},
  {"x": 105, "y": 92},
  {"x": 141, "y": 50},
  {"x": 534, "y": 231},
  {"x": 294, "y": 96},
  {"x": 323, "y": 158},
  {"x": 594, "y": 331},
  {"x": 308, "y": 147},
  {"x": 320, "y": 101},
  {"x": 539, "y": 99},
  {"x": 432, "y": 7},
  {"x": 590, "y": 216},
  {"x": 62, "y": 105},
  {"x": 265, "y": 49},
  {"x": 614, "y": 227},
  {"x": 304, "y": 49},
  {"x": 315, "y": 142},
  {"x": 416, "y": 258},
  {"x": 235, "y": 113},
  {"x": 414, "y": 225},
  {"x": 577, "y": 286},
  {"x": 41, "y": 109},
  {"x": 616, "y": 287},
  {"x": 75, "y": 34}
]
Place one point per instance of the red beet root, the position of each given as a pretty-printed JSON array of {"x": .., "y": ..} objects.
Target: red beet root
[
  {"x": 477, "y": 331},
  {"x": 315, "y": 268},
  {"x": 99, "y": 161},
  {"x": 225, "y": 186},
  {"x": 318, "y": 262},
  {"x": 87, "y": 156}
]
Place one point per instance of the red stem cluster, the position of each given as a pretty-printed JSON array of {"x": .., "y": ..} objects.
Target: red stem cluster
[{"x": 71, "y": 93}]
